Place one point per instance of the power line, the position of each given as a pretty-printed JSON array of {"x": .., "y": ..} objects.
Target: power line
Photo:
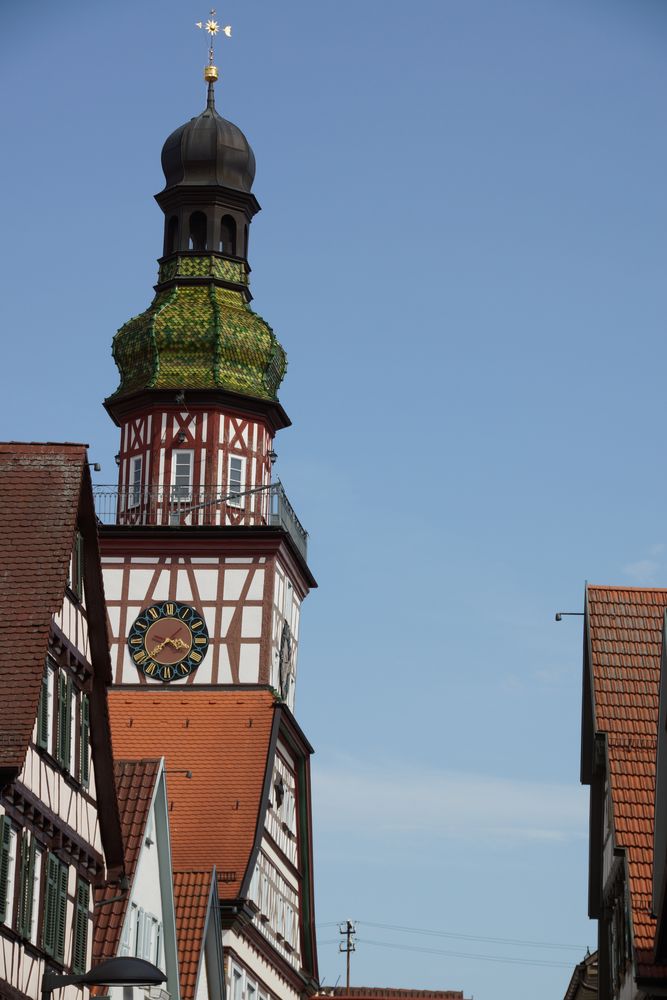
[
  {"x": 503, "y": 959},
  {"x": 472, "y": 937},
  {"x": 429, "y": 932}
]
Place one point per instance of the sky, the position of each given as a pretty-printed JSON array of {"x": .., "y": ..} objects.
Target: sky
[{"x": 462, "y": 248}]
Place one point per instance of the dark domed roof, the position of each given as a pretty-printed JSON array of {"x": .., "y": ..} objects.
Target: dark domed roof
[{"x": 209, "y": 150}]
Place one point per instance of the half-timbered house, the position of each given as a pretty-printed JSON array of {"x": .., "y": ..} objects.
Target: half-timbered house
[
  {"x": 141, "y": 920},
  {"x": 623, "y": 650},
  {"x": 239, "y": 802},
  {"x": 60, "y": 832}
]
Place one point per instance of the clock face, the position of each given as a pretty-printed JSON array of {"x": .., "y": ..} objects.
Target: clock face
[{"x": 168, "y": 641}]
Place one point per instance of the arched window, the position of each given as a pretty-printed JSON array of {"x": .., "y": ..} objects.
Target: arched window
[
  {"x": 172, "y": 234},
  {"x": 228, "y": 236},
  {"x": 197, "y": 231}
]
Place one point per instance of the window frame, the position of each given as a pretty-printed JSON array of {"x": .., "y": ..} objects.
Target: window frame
[
  {"x": 134, "y": 481},
  {"x": 236, "y": 499},
  {"x": 9, "y": 836},
  {"x": 176, "y": 496}
]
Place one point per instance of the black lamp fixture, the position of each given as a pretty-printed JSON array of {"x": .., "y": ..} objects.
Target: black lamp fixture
[
  {"x": 181, "y": 437},
  {"x": 117, "y": 458},
  {"x": 272, "y": 457},
  {"x": 122, "y": 971}
]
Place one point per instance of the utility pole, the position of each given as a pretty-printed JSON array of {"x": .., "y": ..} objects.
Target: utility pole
[{"x": 348, "y": 929}]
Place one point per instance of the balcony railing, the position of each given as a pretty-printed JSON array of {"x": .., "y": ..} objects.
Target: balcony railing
[{"x": 200, "y": 506}]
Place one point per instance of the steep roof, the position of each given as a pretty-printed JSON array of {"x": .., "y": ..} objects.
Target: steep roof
[
  {"x": 222, "y": 738},
  {"x": 192, "y": 893},
  {"x": 584, "y": 982},
  {"x": 388, "y": 992},
  {"x": 135, "y": 786},
  {"x": 625, "y": 636},
  {"x": 40, "y": 486}
]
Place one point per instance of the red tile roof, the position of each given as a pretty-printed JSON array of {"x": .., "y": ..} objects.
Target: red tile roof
[
  {"x": 135, "y": 785},
  {"x": 626, "y": 640},
  {"x": 223, "y": 738},
  {"x": 192, "y": 891},
  {"x": 380, "y": 992},
  {"x": 39, "y": 499}
]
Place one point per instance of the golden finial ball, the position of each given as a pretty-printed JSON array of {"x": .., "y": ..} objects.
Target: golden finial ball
[{"x": 210, "y": 74}]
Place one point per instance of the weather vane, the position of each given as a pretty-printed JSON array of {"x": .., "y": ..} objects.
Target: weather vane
[{"x": 212, "y": 28}]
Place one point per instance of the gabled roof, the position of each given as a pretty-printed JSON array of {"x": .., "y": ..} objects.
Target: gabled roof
[
  {"x": 40, "y": 485},
  {"x": 388, "y": 992},
  {"x": 45, "y": 490},
  {"x": 584, "y": 982},
  {"x": 222, "y": 738},
  {"x": 625, "y": 642},
  {"x": 135, "y": 787},
  {"x": 192, "y": 897}
]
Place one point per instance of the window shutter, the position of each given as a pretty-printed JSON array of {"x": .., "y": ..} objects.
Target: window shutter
[
  {"x": 43, "y": 712},
  {"x": 139, "y": 942},
  {"x": 84, "y": 753},
  {"x": 50, "y": 904},
  {"x": 28, "y": 849},
  {"x": 61, "y": 917},
  {"x": 5, "y": 846},
  {"x": 63, "y": 716},
  {"x": 77, "y": 565},
  {"x": 81, "y": 926}
]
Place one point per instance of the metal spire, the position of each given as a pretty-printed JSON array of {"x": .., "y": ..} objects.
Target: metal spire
[{"x": 211, "y": 71}]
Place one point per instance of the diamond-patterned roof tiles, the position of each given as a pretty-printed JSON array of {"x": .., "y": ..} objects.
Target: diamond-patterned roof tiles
[
  {"x": 221, "y": 738},
  {"x": 135, "y": 784},
  {"x": 192, "y": 890},
  {"x": 40, "y": 486},
  {"x": 626, "y": 640}
]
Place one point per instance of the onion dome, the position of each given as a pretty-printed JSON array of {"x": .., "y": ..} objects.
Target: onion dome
[
  {"x": 209, "y": 150},
  {"x": 199, "y": 337}
]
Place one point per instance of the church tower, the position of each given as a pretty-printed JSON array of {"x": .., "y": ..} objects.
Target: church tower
[
  {"x": 205, "y": 571},
  {"x": 202, "y": 533}
]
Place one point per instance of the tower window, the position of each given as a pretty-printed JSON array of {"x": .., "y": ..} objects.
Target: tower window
[
  {"x": 172, "y": 235},
  {"x": 236, "y": 481},
  {"x": 228, "y": 236},
  {"x": 197, "y": 231},
  {"x": 181, "y": 475},
  {"x": 134, "y": 495}
]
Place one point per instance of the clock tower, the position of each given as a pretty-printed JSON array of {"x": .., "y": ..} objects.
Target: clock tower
[
  {"x": 205, "y": 570},
  {"x": 204, "y": 557}
]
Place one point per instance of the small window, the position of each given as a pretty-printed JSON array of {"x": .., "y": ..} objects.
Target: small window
[
  {"x": 237, "y": 984},
  {"x": 181, "y": 476},
  {"x": 197, "y": 231},
  {"x": 8, "y": 840},
  {"x": 134, "y": 493},
  {"x": 236, "y": 481},
  {"x": 36, "y": 890}
]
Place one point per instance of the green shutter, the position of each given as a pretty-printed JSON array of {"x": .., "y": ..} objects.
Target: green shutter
[
  {"x": 64, "y": 720},
  {"x": 84, "y": 750},
  {"x": 27, "y": 871},
  {"x": 43, "y": 712},
  {"x": 50, "y": 904},
  {"x": 5, "y": 846},
  {"x": 61, "y": 918},
  {"x": 81, "y": 926}
]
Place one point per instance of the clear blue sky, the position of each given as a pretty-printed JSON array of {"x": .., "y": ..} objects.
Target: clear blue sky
[{"x": 463, "y": 248}]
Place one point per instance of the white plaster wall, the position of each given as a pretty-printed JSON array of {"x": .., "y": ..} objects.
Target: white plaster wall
[{"x": 257, "y": 966}]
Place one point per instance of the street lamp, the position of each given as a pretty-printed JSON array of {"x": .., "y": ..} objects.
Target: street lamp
[{"x": 121, "y": 971}]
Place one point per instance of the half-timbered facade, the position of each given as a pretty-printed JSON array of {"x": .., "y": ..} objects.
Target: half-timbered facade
[
  {"x": 239, "y": 800},
  {"x": 59, "y": 825},
  {"x": 623, "y": 648},
  {"x": 205, "y": 570}
]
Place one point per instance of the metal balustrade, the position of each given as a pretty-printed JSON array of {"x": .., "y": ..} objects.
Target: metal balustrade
[{"x": 202, "y": 506}]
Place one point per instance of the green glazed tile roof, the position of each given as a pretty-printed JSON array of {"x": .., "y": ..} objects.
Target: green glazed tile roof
[{"x": 199, "y": 337}]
